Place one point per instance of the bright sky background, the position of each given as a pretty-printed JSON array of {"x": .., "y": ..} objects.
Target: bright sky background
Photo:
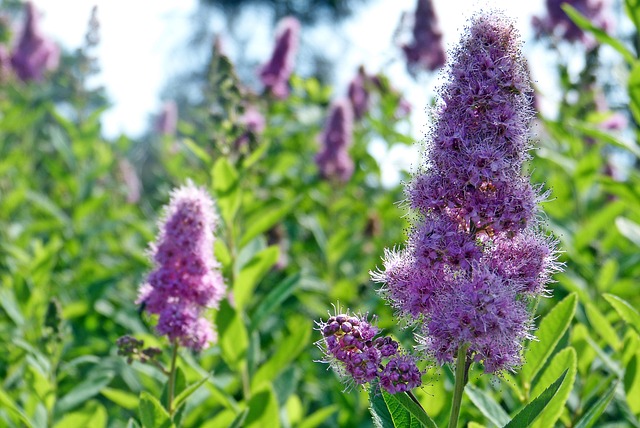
[{"x": 140, "y": 39}]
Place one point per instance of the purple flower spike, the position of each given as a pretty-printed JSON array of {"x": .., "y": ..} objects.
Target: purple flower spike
[
  {"x": 186, "y": 279},
  {"x": 557, "y": 22},
  {"x": 425, "y": 50},
  {"x": 275, "y": 73},
  {"x": 354, "y": 352},
  {"x": 333, "y": 160},
  {"x": 475, "y": 255},
  {"x": 167, "y": 121},
  {"x": 358, "y": 93},
  {"x": 34, "y": 54}
]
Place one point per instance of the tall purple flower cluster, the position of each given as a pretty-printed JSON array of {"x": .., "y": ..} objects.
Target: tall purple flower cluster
[
  {"x": 425, "y": 50},
  {"x": 275, "y": 73},
  {"x": 186, "y": 279},
  {"x": 333, "y": 160},
  {"x": 558, "y": 23},
  {"x": 359, "y": 93},
  {"x": 34, "y": 54},
  {"x": 476, "y": 254},
  {"x": 352, "y": 348}
]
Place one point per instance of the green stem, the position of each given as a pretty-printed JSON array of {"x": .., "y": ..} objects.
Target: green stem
[
  {"x": 172, "y": 378},
  {"x": 462, "y": 376}
]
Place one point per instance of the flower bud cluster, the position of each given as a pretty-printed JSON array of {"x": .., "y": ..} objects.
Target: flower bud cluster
[
  {"x": 333, "y": 160},
  {"x": 353, "y": 349},
  {"x": 133, "y": 349}
]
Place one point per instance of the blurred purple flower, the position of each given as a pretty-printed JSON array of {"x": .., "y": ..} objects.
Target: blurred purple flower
[
  {"x": 34, "y": 54},
  {"x": 275, "y": 73},
  {"x": 557, "y": 22},
  {"x": 186, "y": 279},
  {"x": 333, "y": 160},
  {"x": 167, "y": 120},
  {"x": 253, "y": 122},
  {"x": 359, "y": 94},
  {"x": 476, "y": 254},
  {"x": 425, "y": 50},
  {"x": 352, "y": 349}
]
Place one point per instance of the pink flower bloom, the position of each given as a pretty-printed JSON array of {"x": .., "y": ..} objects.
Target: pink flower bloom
[
  {"x": 276, "y": 72},
  {"x": 34, "y": 54},
  {"x": 186, "y": 279}
]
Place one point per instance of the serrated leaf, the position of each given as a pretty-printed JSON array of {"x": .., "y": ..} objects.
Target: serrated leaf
[
  {"x": 602, "y": 326},
  {"x": 627, "y": 312},
  {"x": 251, "y": 274},
  {"x": 152, "y": 413},
  {"x": 564, "y": 361},
  {"x": 596, "y": 410},
  {"x": 379, "y": 412},
  {"x": 487, "y": 405},
  {"x": 549, "y": 333},
  {"x": 530, "y": 412},
  {"x": 600, "y": 35},
  {"x": 397, "y": 410},
  {"x": 274, "y": 299}
]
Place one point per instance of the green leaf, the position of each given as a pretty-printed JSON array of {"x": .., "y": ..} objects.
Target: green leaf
[
  {"x": 182, "y": 397},
  {"x": 629, "y": 229},
  {"x": 197, "y": 150},
  {"x": 93, "y": 414},
  {"x": 232, "y": 335},
  {"x": 318, "y": 417},
  {"x": 226, "y": 185},
  {"x": 263, "y": 409},
  {"x": 252, "y": 273},
  {"x": 256, "y": 154},
  {"x": 602, "y": 326},
  {"x": 82, "y": 392},
  {"x": 600, "y": 35},
  {"x": 238, "y": 422},
  {"x": 549, "y": 333},
  {"x": 633, "y": 87},
  {"x": 152, "y": 414},
  {"x": 627, "y": 312},
  {"x": 296, "y": 341},
  {"x": 632, "y": 383},
  {"x": 597, "y": 409},
  {"x": 487, "y": 405},
  {"x": 563, "y": 361},
  {"x": 632, "y": 7},
  {"x": 397, "y": 410},
  {"x": 265, "y": 220},
  {"x": 123, "y": 399},
  {"x": 530, "y": 412},
  {"x": 274, "y": 299},
  {"x": 10, "y": 405}
]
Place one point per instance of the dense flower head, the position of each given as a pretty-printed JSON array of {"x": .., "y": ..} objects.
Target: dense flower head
[
  {"x": 425, "y": 50},
  {"x": 186, "y": 279},
  {"x": 475, "y": 255},
  {"x": 352, "y": 348},
  {"x": 557, "y": 22},
  {"x": 275, "y": 73},
  {"x": 333, "y": 160},
  {"x": 34, "y": 54}
]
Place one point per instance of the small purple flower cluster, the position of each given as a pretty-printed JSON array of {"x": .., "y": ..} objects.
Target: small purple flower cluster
[
  {"x": 557, "y": 22},
  {"x": 476, "y": 255},
  {"x": 167, "y": 120},
  {"x": 186, "y": 280},
  {"x": 425, "y": 50},
  {"x": 359, "y": 94},
  {"x": 353, "y": 349},
  {"x": 34, "y": 54},
  {"x": 333, "y": 160},
  {"x": 275, "y": 73}
]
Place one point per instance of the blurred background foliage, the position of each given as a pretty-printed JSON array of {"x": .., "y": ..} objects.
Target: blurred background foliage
[{"x": 77, "y": 212}]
